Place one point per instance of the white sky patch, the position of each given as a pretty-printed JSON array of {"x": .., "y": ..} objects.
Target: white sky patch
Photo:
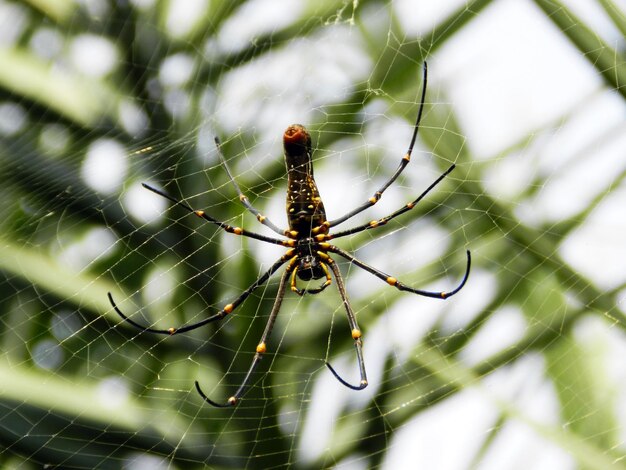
[
  {"x": 504, "y": 328},
  {"x": 112, "y": 393},
  {"x": 13, "y": 20},
  {"x": 133, "y": 118},
  {"x": 144, "y": 205},
  {"x": 47, "y": 43},
  {"x": 176, "y": 70},
  {"x": 94, "y": 245},
  {"x": 255, "y": 18},
  {"x": 93, "y": 55},
  {"x": 504, "y": 90},
  {"x": 182, "y": 17},
  {"x": 12, "y": 118},
  {"x": 596, "y": 248},
  {"x": 105, "y": 165}
]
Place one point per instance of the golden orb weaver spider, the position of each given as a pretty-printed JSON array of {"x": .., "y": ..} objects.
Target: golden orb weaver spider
[{"x": 308, "y": 248}]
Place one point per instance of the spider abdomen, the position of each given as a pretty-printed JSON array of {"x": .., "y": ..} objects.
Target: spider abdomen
[{"x": 305, "y": 209}]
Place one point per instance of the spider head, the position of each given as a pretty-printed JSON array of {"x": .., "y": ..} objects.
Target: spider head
[{"x": 297, "y": 143}]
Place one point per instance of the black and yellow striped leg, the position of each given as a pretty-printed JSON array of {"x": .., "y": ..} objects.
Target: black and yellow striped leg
[
  {"x": 260, "y": 349},
  {"x": 403, "y": 163},
  {"x": 392, "y": 281},
  {"x": 402, "y": 210},
  {"x": 223, "y": 225},
  {"x": 219, "y": 315},
  {"x": 355, "y": 331},
  {"x": 243, "y": 198}
]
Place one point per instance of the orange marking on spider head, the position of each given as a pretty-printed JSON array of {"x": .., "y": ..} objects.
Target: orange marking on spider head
[
  {"x": 228, "y": 308},
  {"x": 171, "y": 330},
  {"x": 261, "y": 348},
  {"x": 199, "y": 213},
  {"x": 356, "y": 333},
  {"x": 296, "y": 134},
  {"x": 392, "y": 281}
]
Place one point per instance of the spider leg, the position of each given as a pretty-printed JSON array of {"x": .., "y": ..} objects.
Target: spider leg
[
  {"x": 243, "y": 198},
  {"x": 223, "y": 225},
  {"x": 356, "y": 332},
  {"x": 403, "y": 163},
  {"x": 316, "y": 290},
  {"x": 392, "y": 281},
  {"x": 380, "y": 222},
  {"x": 217, "y": 316},
  {"x": 260, "y": 349}
]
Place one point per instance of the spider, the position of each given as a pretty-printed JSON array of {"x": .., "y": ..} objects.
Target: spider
[{"x": 308, "y": 248}]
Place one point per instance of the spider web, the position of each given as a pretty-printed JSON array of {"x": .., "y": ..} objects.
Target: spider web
[{"x": 521, "y": 369}]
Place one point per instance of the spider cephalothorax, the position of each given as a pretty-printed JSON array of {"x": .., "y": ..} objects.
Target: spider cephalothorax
[{"x": 308, "y": 248}]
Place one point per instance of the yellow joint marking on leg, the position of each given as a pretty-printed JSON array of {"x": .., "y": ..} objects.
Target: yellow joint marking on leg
[
  {"x": 294, "y": 288},
  {"x": 320, "y": 228},
  {"x": 292, "y": 233},
  {"x": 171, "y": 330},
  {"x": 232, "y": 401},
  {"x": 392, "y": 281},
  {"x": 323, "y": 255},
  {"x": 363, "y": 382},
  {"x": 407, "y": 157},
  {"x": 289, "y": 243},
  {"x": 261, "y": 348},
  {"x": 356, "y": 333},
  {"x": 260, "y": 218},
  {"x": 373, "y": 223},
  {"x": 242, "y": 197},
  {"x": 325, "y": 246},
  {"x": 199, "y": 213},
  {"x": 411, "y": 205},
  {"x": 321, "y": 237},
  {"x": 444, "y": 295},
  {"x": 372, "y": 200},
  {"x": 228, "y": 308},
  {"x": 237, "y": 230},
  {"x": 289, "y": 253}
]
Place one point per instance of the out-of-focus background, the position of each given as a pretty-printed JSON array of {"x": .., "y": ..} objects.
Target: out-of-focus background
[{"x": 522, "y": 369}]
